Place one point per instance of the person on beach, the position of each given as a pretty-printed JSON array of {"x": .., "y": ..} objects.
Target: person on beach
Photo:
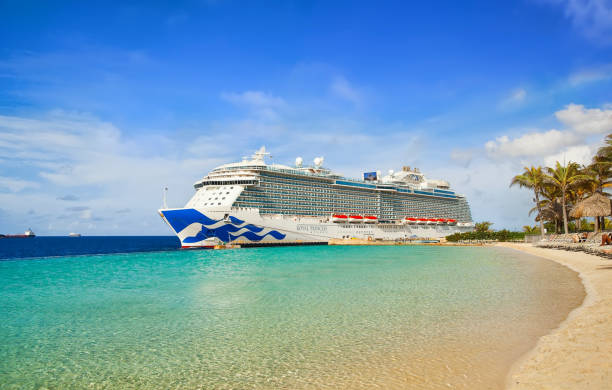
[{"x": 580, "y": 238}]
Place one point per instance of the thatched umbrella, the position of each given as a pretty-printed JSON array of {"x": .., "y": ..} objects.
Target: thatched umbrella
[{"x": 597, "y": 205}]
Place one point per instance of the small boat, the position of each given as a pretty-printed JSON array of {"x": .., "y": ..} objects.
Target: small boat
[
  {"x": 28, "y": 234},
  {"x": 370, "y": 219},
  {"x": 339, "y": 218},
  {"x": 355, "y": 218},
  {"x": 410, "y": 220},
  {"x": 74, "y": 234}
]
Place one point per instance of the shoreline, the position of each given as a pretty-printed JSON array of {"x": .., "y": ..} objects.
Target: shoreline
[{"x": 577, "y": 354}]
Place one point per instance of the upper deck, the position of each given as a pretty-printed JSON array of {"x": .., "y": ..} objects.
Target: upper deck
[{"x": 248, "y": 172}]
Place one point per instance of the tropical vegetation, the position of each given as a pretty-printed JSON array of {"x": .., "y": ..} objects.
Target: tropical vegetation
[
  {"x": 559, "y": 190},
  {"x": 489, "y": 235}
]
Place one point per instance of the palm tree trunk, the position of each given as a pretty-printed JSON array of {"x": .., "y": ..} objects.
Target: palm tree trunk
[
  {"x": 596, "y": 228},
  {"x": 537, "y": 198},
  {"x": 564, "y": 213}
]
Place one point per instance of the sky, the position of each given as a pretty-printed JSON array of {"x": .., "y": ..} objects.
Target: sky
[{"x": 104, "y": 104}]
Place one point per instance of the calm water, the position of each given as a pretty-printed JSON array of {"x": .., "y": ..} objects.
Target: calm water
[
  {"x": 277, "y": 318},
  {"x": 68, "y": 246}
]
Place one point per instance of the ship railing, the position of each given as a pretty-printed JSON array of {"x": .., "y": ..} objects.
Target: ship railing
[{"x": 251, "y": 210}]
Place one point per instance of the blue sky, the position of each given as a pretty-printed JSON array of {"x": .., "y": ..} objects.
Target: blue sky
[{"x": 102, "y": 104}]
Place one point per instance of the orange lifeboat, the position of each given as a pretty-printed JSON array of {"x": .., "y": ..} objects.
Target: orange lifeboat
[
  {"x": 339, "y": 218},
  {"x": 370, "y": 219},
  {"x": 441, "y": 221},
  {"x": 452, "y": 221},
  {"x": 421, "y": 221},
  {"x": 355, "y": 218},
  {"x": 410, "y": 220},
  {"x": 432, "y": 221}
]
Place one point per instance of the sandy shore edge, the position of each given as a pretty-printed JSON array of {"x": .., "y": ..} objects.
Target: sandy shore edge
[{"x": 578, "y": 353}]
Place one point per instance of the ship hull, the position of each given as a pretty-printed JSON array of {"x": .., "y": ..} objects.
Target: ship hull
[{"x": 248, "y": 227}]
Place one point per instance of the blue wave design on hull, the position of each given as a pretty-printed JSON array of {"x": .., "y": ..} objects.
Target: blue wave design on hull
[
  {"x": 236, "y": 221},
  {"x": 180, "y": 219},
  {"x": 254, "y": 237}
]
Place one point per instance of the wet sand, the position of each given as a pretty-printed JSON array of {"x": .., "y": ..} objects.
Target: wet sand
[{"x": 577, "y": 354}]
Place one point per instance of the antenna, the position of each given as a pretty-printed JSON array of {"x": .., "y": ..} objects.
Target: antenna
[
  {"x": 260, "y": 154},
  {"x": 165, "y": 205}
]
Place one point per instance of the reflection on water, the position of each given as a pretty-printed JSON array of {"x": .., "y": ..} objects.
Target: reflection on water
[{"x": 269, "y": 318}]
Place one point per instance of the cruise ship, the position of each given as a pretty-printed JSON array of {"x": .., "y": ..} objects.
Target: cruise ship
[{"x": 256, "y": 203}]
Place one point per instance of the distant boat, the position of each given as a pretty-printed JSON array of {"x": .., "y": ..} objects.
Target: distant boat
[
  {"x": 28, "y": 234},
  {"x": 74, "y": 234}
]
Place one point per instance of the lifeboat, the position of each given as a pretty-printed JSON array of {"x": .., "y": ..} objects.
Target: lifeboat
[
  {"x": 410, "y": 220},
  {"x": 355, "y": 218},
  {"x": 441, "y": 221},
  {"x": 421, "y": 221},
  {"x": 432, "y": 221},
  {"x": 339, "y": 218},
  {"x": 370, "y": 219},
  {"x": 452, "y": 221}
]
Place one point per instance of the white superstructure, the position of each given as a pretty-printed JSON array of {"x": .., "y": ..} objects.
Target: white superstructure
[{"x": 252, "y": 202}]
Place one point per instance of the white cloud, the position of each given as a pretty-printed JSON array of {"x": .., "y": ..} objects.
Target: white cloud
[
  {"x": 341, "y": 88},
  {"x": 462, "y": 156},
  {"x": 516, "y": 97},
  {"x": 530, "y": 144},
  {"x": 16, "y": 185},
  {"x": 591, "y": 75},
  {"x": 593, "y": 18},
  {"x": 581, "y": 154},
  {"x": 253, "y": 98},
  {"x": 586, "y": 121},
  {"x": 263, "y": 105},
  {"x": 92, "y": 161},
  {"x": 581, "y": 123}
]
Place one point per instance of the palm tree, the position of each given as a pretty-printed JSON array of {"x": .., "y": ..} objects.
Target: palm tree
[
  {"x": 530, "y": 229},
  {"x": 549, "y": 206},
  {"x": 533, "y": 178},
  {"x": 605, "y": 151},
  {"x": 483, "y": 226},
  {"x": 601, "y": 171},
  {"x": 565, "y": 178}
]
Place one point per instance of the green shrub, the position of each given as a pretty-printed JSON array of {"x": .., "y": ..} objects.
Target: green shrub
[{"x": 501, "y": 235}]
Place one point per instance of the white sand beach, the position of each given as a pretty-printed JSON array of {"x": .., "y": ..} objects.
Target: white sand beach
[{"x": 578, "y": 354}]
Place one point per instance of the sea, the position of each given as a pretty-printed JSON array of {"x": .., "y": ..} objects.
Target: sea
[{"x": 139, "y": 313}]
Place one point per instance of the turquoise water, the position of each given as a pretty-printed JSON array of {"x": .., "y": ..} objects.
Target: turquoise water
[{"x": 296, "y": 317}]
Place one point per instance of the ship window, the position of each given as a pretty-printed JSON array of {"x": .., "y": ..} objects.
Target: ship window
[{"x": 219, "y": 203}]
